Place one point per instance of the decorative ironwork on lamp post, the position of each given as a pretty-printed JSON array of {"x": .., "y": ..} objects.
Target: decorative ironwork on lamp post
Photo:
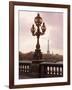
[{"x": 40, "y": 31}]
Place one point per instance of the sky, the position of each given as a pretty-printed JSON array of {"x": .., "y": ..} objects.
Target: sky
[{"x": 54, "y": 32}]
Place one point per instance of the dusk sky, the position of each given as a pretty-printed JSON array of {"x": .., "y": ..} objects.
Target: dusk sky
[{"x": 54, "y": 32}]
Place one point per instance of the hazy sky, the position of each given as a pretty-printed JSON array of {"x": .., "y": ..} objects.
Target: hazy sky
[{"x": 54, "y": 32}]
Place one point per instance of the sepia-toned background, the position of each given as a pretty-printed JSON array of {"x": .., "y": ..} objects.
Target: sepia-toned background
[{"x": 54, "y": 32}]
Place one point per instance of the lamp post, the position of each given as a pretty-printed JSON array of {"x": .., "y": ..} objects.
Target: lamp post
[{"x": 38, "y": 21}]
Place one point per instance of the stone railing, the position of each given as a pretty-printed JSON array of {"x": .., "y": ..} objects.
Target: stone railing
[
  {"x": 51, "y": 70},
  {"x": 24, "y": 68},
  {"x": 28, "y": 69}
]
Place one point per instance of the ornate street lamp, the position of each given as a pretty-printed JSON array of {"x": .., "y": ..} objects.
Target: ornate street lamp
[{"x": 38, "y": 21}]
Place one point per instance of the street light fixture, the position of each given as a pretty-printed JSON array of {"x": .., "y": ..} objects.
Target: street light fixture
[{"x": 38, "y": 21}]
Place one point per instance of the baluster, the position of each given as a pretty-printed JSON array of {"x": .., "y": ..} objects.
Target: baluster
[
  {"x": 56, "y": 70},
  {"x": 27, "y": 68},
  {"x": 47, "y": 69},
  {"x": 23, "y": 68},
  {"x": 52, "y": 70},
  {"x": 59, "y": 70}
]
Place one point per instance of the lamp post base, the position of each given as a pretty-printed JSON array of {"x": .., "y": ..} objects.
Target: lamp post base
[{"x": 37, "y": 54}]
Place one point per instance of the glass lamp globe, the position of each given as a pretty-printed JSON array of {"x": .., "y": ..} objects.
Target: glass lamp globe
[
  {"x": 38, "y": 20},
  {"x": 33, "y": 29},
  {"x": 43, "y": 27}
]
